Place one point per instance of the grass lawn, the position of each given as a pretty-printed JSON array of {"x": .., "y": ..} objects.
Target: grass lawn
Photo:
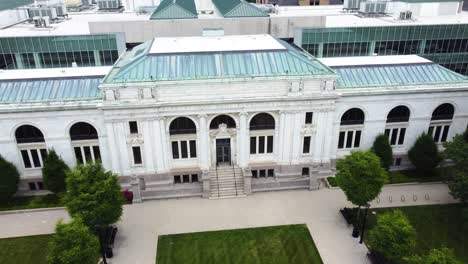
[
  {"x": 436, "y": 226},
  {"x": 440, "y": 174},
  {"x": 32, "y": 202},
  {"x": 25, "y": 250},
  {"x": 277, "y": 244}
]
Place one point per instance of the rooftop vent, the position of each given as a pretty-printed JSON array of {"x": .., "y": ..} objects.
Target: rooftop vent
[{"x": 407, "y": 15}]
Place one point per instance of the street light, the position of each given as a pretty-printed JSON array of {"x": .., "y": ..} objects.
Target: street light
[
  {"x": 364, "y": 223},
  {"x": 101, "y": 244}
]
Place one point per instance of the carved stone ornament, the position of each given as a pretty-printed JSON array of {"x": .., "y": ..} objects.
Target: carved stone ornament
[
  {"x": 117, "y": 94},
  {"x": 223, "y": 131}
]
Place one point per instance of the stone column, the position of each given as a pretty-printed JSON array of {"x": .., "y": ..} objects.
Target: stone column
[
  {"x": 112, "y": 144},
  {"x": 319, "y": 136},
  {"x": 203, "y": 143},
  {"x": 148, "y": 139},
  {"x": 122, "y": 148},
  {"x": 328, "y": 137},
  {"x": 244, "y": 141},
  {"x": 296, "y": 138},
  {"x": 281, "y": 132}
]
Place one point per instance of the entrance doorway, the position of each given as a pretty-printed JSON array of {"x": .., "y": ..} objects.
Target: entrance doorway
[{"x": 223, "y": 151}]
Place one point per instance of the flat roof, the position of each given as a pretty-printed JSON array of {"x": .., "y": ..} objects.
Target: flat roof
[
  {"x": 51, "y": 73},
  {"x": 373, "y": 60},
  {"x": 215, "y": 44}
]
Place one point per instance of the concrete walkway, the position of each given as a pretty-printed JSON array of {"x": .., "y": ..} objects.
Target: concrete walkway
[{"x": 142, "y": 223}]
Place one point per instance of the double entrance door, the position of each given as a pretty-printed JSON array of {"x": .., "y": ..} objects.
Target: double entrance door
[{"x": 223, "y": 151}]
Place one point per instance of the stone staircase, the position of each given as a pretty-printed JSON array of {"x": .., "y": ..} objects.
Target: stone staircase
[{"x": 226, "y": 182}]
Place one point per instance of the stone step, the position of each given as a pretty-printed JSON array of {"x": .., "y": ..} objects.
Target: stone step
[{"x": 226, "y": 193}]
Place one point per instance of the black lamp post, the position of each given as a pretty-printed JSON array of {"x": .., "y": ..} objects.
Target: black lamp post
[
  {"x": 364, "y": 223},
  {"x": 101, "y": 243}
]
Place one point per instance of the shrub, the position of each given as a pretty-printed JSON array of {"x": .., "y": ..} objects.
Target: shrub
[
  {"x": 393, "y": 236},
  {"x": 383, "y": 150},
  {"x": 73, "y": 243},
  {"x": 424, "y": 154},
  {"x": 53, "y": 173},
  {"x": 9, "y": 178},
  {"x": 435, "y": 256},
  {"x": 93, "y": 194}
]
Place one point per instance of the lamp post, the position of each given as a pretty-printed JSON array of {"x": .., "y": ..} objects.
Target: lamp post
[
  {"x": 101, "y": 244},
  {"x": 364, "y": 223}
]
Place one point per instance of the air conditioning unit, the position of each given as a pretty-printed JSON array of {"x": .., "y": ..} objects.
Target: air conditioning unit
[
  {"x": 60, "y": 9},
  {"x": 51, "y": 12},
  {"x": 351, "y": 4},
  {"x": 373, "y": 7},
  {"x": 406, "y": 15},
  {"x": 41, "y": 22},
  {"x": 108, "y": 4}
]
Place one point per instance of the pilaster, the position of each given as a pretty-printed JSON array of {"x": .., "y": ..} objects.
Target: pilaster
[
  {"x": 244, "y": 141},
  {"x": 203, "y": 143}
]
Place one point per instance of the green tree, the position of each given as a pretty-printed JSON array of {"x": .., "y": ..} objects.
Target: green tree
[
  {"x": 73, "y": 243},
  {"x": 361, "y": 176},
  {"x": 393, "y": 236},
  {"x": 457, "y": 151},
  {"x": 9, "y": 178},
  {"x": 383, "y": 150},
  {"x": 435, "y": 256},
  {"x": 94, "y": 195},
  {"x": 53, "y": 173},
  {"x": 424, "y": 154}
]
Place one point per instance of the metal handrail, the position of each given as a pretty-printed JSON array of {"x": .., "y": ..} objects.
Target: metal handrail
[
  {"x": 217, "y": 179},
  {"x": 234, "y": 173}
]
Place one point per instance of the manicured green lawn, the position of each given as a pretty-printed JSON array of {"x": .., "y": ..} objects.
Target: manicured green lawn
[
  {"x": 25, "y": 250},
  {"x": 32, "y": 202},
  {"x": 405, "y": 176},
  {"x": 436, "y": 226},
  {"x": 277, "y": 244}
]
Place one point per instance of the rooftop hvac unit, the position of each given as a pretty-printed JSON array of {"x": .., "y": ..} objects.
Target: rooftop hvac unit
[
  {"x": 407, "y": 15},
  {"x": 351, "y": 4},
  {"x": 60, "y": 9},
  {"x": 41, "y": 21},
  {"x": 77, "y": 3},
  {"x": 373, "y": 7},
  {"x": 108, "y": 4},
  {"x": 51, "y": 12}
]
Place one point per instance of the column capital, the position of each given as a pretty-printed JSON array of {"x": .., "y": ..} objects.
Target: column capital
[
  {"x": 245, "y": 114},
  {"x": 200, "y": 116}
]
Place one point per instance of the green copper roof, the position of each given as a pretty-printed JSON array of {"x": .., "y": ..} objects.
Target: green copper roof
[
  {"x": 10, "y": 4},
  {"x": 175, "y": 9},
  {"x": 140, "y": 66},
  {"x": 40, "y": 90},
  {"x": 238, "y": 8},
  {"x": 394, "y": 75}
]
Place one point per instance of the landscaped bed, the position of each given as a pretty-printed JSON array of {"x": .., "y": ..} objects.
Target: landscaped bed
[
  {"x": 406, "y": 176},
  {"x": 32, "y": 202},
  {"x": 278, "y": 244},
  {"x": 25, "y": 250},
  {"x": 436, "y": 226}
]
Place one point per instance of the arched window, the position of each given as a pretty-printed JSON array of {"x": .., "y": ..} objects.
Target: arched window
[
  {"x": 182, "y": 125},
  {"x": 443, "y": 112},
  {"x": 85, "y": 143},
  {"x": 262, "y": 121},
  {"x": 440, "y": 122},
  {"x": 353, "y": 116},
  {"x": 28, "y": 134},
  {"x": 400, "y": 113},
  {"x": 396, "y": 132},
  {"x": 350, "y": 137},
  {"x": 83, "y": 131},
  {"x": 222, "y": 119},
  {"x": 34, "y": 153}
]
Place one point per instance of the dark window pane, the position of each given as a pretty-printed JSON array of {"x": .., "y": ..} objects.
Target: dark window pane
[
  {"x": 437, "y": 133},
  {"x": 270, "y": 144},
  {"x": 271, "y": 172},
  {"x": 357, "y": 139},
  {"x": 261, "y": 144},
  {"x": 183, "y": 149},
  {"x": 305, "y": 171},
  {"x": 193, "y": 149},
  {"x": 87, "y": 153},
  {"x": 28, "y": 134},
  {"x": 431, "y": 130},
  {"x": 253, "y": 145},
  {"x": 194, "y": 177},
  {"x": 397, "y": 161},
  {"x": 182, "y": 125},
  {"x": 32, "y": 186},
  {"x": 78, "y": 156},
  {"x": 177, "y": 179},
  {"x": 35, "y": 158},
  {"x": 175, "y": 150},
  {"x": 133, "y": 127},
  {"x": 387, "y": 133},
  {"x": 186, "y": 178},
  {"x": 262, "y": 173},
  {"x": 394, "y": 136},
  {"x": 254, "y": 173},
  {"x": 306, "y": 145},
  {"x": 308, "y": 117},
  {"x": 354, "y": 116},
  {"x": 401, "y": 139},
  {"x": 444, "y": 134},
  {"x": 349, "y": 139},
  {"x": 27, "y": 163},
  {"x": 40, "y": 186},
  {"x": 97, "y": 153},
  {"x": 262, "y": 121},
  {"x": 136, "y": 155},
  {"x": 341, "y": 140},
  {"x": 43, "y": 154},
  {"x": 83, "y": 131}
]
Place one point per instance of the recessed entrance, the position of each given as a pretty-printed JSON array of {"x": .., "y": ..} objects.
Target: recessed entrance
[{"x": 223, "y": 151}]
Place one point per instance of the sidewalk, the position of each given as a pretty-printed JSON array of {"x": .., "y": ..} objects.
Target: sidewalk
[{"x": 136, "y": 241}]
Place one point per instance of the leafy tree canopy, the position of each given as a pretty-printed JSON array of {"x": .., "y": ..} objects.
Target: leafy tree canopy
[
  {"x": 53, "y": 173},
  {"x": 424, "y": 154},
  {"x": 393, "y": 236},
  {"x": 435, "y": 256},
  {"x": 457, "y": 151},
  {"x": 383, "y": 150},
  {"x": 94, "y": 195},
  {"x": 361, "y": 176},
  {"x": 9, "y": 178}
]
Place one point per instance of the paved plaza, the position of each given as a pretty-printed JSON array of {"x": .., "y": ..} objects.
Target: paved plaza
[{"x": 142, "y": 223}]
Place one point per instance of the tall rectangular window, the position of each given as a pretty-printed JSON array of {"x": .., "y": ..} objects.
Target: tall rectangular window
[
  {"x": 401, "y": 138},
  {"x": 393, "y": 138},
  {"x": 175, "y": 149},
  {"x": 308, "y": 117},
  {"x": 253, "y": 145},
  {"x": 357, "y": 139},
  {"x": 193, "y": 149},
  {"x": 261, "y": 144},
  {"x": 27, "y": 163},
  {"x": 183, "y": 149},
  {"x": 349, "y": 139},
  {"x": 341, "y": 140},
  {"x": 270, "y": 144},
  {"x": 137, "y": 155},
  {"x": 133, "y": 127},
  {"x": 306, "y": 145}
]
